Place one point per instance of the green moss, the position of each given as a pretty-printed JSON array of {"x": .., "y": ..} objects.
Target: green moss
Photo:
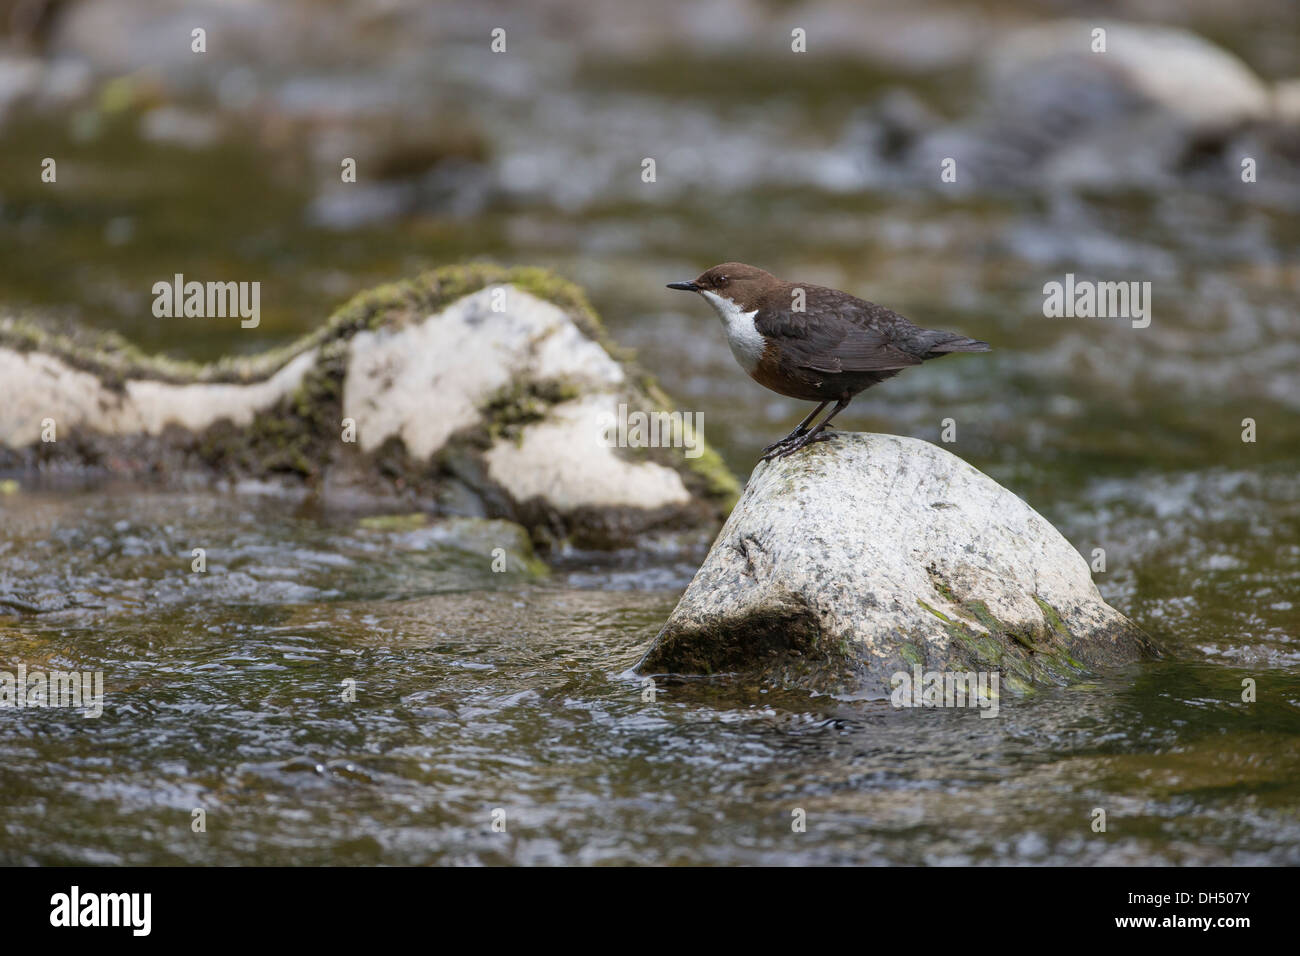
[
  {"x": 1018, "y": 685},
  {"x": 508, "y": 410},
  {"x": 988, "y": 649},
  {"x": 1053, "y": 618},
  {"x": 1058, "y": 627},
  {"x": 407, "y": 522},
  {"x": 1028, "y": 652},
  {"x": 301, "y": 434},
  {"x": 977, "y": 648},
  {"x": 911, "y": 653},
  {"x": 708, "y": 475},
  {"x": 1022, "y": 635},
  {"x": 484, "y": 536},
  {"x": 114, "y": 359},
  {"x": 106, "y": 355},
  {"x": 939, "y": 614},
  {"x": 947, "y": 594}
]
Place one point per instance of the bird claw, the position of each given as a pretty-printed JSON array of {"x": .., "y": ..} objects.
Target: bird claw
[
  {"x": 789, "y": 445},
  {"x": 776, "y": 446}
]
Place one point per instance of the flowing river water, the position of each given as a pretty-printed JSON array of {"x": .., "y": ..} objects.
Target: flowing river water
[{"x": 475, "y": 692}]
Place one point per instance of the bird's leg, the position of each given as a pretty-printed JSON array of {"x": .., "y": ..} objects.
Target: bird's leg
[
  {"x": 798, "y": 430},
  {"x": 803, "y": 425},
  {"x": 816, "y": 435}
]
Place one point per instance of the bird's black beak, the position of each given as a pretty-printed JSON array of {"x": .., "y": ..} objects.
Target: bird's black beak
[{"x": 684, "y": 286}]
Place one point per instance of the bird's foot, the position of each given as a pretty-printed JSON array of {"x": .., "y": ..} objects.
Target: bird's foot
[
  {"x": 788, "y": 446},
  {"x": 771, "y": 450}
]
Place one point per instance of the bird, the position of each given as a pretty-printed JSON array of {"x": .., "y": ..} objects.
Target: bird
[{"x": 812, "y": 343}]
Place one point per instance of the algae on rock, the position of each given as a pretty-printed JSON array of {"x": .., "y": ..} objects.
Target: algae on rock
[
  {"x": 433, "y": 390},
  {"x": 866, "y": 555}
]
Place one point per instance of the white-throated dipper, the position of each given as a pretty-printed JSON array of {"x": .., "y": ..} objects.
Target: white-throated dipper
[{"x": 817, "y": 344}]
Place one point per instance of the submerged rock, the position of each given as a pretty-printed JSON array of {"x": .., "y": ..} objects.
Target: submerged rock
[
  {"x": 860, "y": 557},
  {"x": 473, "y": 390}
]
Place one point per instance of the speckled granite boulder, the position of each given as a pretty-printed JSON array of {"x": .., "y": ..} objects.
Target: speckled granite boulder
[{"x": 860, "y": 557}]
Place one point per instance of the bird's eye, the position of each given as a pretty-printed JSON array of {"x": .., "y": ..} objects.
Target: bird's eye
[{"x": 721, "y": 280}]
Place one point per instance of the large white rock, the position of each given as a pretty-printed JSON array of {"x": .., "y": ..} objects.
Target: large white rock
[
  {"x": 543, "y": 465},
  {"x": 41, "y": 386},
  {"x": 860, "y": 557},
  {"x": 495, "y": 402},
  {"x": 425, "y": 381}
]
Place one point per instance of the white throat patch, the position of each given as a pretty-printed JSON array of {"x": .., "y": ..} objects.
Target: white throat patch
[{"x": 745, "y": 340}]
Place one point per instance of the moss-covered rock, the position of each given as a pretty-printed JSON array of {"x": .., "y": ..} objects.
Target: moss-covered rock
[
  {"x": 870, "y": 555},
  {"x": 453, "y": 391}
]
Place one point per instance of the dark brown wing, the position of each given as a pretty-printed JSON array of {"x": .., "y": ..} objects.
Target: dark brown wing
[
  {"x": 848, "y": 335},
  {"x": 859, "y": 351}
]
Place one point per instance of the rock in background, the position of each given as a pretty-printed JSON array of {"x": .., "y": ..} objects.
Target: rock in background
[
  {"x": 1158, "y": 106},
  {"x": 860, "y": 557},
  {"x": 473, "y": 390}
]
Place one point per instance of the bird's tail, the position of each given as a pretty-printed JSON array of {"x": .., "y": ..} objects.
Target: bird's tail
[{"x": 956, "y": 343}]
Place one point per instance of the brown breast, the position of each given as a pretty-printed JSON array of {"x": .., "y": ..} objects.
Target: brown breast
[{"x": 784, "y": 379}]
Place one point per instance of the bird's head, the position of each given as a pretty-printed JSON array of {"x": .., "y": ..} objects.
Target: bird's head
[{"x": 743, "y": 285}]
